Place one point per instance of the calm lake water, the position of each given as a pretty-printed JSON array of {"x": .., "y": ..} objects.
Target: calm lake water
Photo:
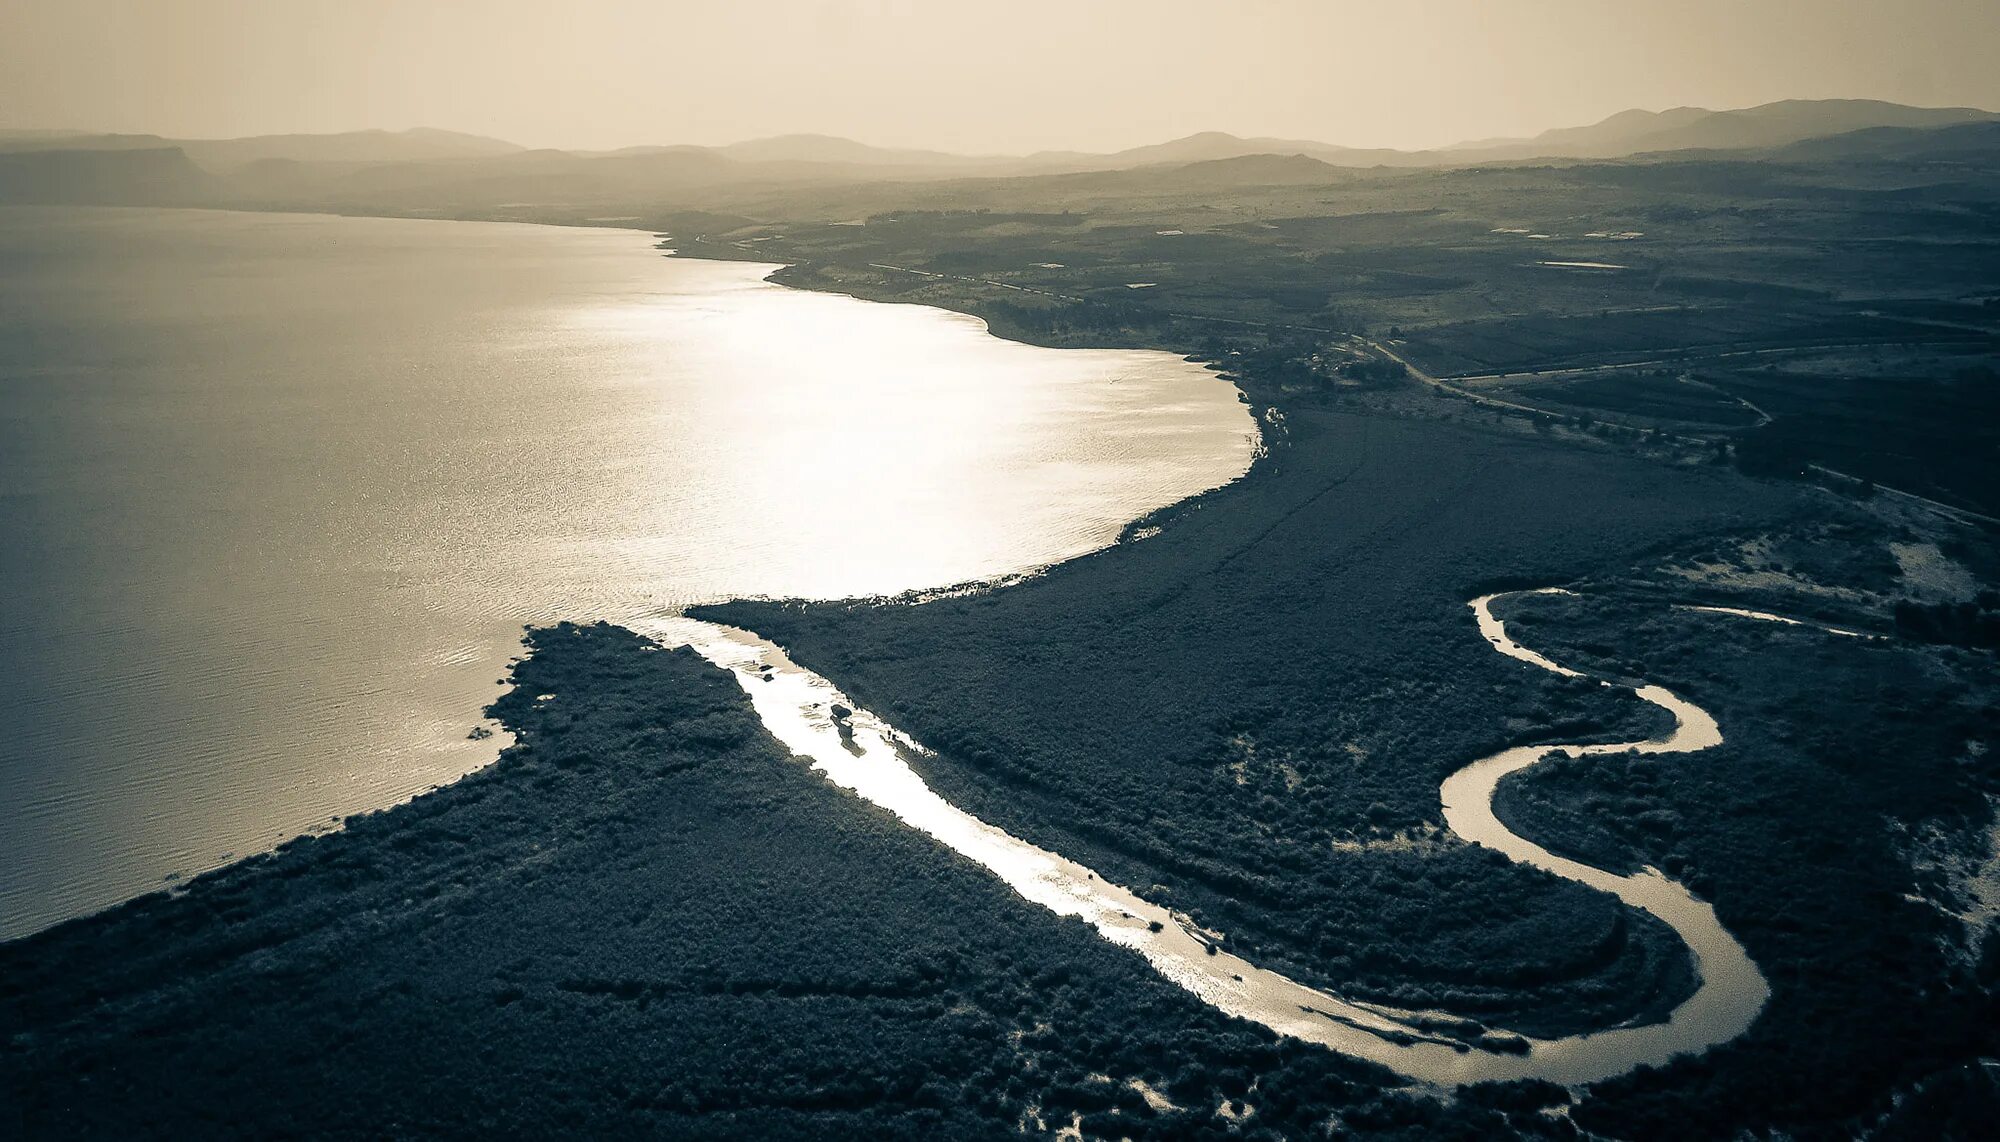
[{"x": 278, "y": 491}]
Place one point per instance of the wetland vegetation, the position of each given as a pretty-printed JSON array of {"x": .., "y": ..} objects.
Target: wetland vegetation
[{"x": 645, "y": 918}]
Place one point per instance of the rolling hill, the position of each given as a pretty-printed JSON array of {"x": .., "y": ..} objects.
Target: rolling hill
[{"x": 432, "y": 170}]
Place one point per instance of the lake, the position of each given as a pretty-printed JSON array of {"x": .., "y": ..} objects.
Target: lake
[{"x": 277, "y": 493}]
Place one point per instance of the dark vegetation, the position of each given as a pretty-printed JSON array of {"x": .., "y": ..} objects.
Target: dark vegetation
[
  {"x": 645, "y": 919},
  {"x": 1646, "y": 396},
  {"x": 1912, "y": 421},
  {"x": 1975, "y": 623},
  {"x": 1803, "y": 828}
]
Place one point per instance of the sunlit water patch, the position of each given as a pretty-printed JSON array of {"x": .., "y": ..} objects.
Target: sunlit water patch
[{"x": 278, "y": 492}]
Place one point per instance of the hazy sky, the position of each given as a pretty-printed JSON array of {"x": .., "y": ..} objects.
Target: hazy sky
[{"x": 1004, "y": 75}]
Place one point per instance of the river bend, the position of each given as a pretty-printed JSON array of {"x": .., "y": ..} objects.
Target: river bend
[{"x": 862, "y": 753}]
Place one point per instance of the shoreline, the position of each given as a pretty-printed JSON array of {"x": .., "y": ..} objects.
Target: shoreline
[
  {"x": 664, "y": 908},
  {"x": 184, "y": 880}
]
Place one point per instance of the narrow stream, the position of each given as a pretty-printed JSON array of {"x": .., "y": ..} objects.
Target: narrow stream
[{"x": 862, "y": 753}]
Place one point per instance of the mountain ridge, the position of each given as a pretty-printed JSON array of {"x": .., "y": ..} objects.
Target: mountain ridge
[
  {"x": 1629, "y": 132},
  {"x": 436, "y": 170}
]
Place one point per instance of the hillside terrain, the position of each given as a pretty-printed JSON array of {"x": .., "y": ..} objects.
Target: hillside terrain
[{"x": 423, "y": 168}]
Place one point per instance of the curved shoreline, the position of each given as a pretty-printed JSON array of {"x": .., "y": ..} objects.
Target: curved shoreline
[
  {"x": 630, "y": 359},
  {"x": 860, "y": 752}
]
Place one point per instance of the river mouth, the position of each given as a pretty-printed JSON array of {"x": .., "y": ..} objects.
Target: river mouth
[
  {"x": 860, "y": 752},
  {"x": 279, "y": 491}
]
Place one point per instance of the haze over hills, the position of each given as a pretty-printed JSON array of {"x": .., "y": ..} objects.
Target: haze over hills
[
  {"x": 375, "y": 146},
  {"x": 1689, "y": 128},
  {"x": 1209, "y": 146},
  {"x": 1960, "y": 142},
  {"x": 833, "y": 149},
  {"x": 1626, "y": 133},
  {"x": 428, "y": 169},
  {"x": 109, "y": 177}
]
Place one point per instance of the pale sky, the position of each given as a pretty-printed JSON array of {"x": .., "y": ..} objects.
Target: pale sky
[{"x": 1001, "y": 76}]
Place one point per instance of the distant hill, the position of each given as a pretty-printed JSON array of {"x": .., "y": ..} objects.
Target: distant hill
[
  {"x": 1217, "y": 176},
  {"x": 445, "y": 171},
  {"x": 80, "y": 141},
  {"x": 541, "y": 177},
  {"x": 416, "y": 145},
  {"x": 832, "y": 153},
  {"x": 1624, "y": 134},
  {"x": 157, "y": 176},
  {"x": 43, "y": 136},
  {"x": 1260, "y": 169},
  {"x": 1969, "y": 143},
  {"x": 1610, "y": 134},
  {"x": 1697, "y": 128},
  {"x": 1210, "y": 146},
  {"x": 832, "y": 149}
]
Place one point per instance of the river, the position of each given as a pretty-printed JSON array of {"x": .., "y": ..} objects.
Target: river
[{"x": 862, "y": 753}]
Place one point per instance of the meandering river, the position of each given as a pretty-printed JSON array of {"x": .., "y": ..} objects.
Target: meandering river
[{"x": 862, "y": 753}]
